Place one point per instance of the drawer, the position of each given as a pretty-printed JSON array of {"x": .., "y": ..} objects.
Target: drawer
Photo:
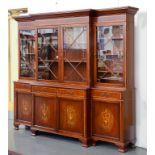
[
  {"x": 22, "y": 86},
  {"x": 39, "y": 89},
  {"x": 71, "y": 92},
  {"x": 106, "y": 94}
]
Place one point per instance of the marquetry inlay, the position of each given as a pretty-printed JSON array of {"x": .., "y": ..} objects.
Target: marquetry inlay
[
  {"x": 25, "y": 108},
  {"x": 71, "y": 116},
  {"x": 45, "y": 112},
  {"x": 107, "y": 119}
]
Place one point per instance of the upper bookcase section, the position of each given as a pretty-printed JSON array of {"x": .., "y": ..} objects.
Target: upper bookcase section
[{"x": 77, "y": 13}]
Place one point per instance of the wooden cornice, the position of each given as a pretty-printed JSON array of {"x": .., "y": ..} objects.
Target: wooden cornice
[
  {"x": 76, "y": 13},
  {"x": 119, "y": 10},
  {"x": 61, "y": 14}
]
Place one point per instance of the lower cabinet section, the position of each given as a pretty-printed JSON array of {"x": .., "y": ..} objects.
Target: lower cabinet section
[
  {"x": 89, "y": 115},
  {"x": 106, "y": 119},
  {"x": 71, "y": 115}
]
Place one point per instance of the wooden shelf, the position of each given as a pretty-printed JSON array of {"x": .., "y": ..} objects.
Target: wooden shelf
[
  {"x": 76, "y": 61},
  {"x": 47, "y": 60},
  {"x": 27, "y": 39},
  {"x": 28, "y": 54},
  {"x": 45, "y": 44},
  {"x": 112, "y": 38},
  {"x": 102, "y": 71},
  {"x": 117, "y": 38}
]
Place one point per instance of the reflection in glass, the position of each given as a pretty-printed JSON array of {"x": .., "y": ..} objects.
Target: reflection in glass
[
  {"x": 48, "y": 54},
  {"x": 27, "y": 53},
  {"x": 75, "y": 45},
  {"x": 110, "y": 54}
]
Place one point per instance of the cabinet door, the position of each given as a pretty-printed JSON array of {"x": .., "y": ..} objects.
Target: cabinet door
[
  {"x": 24, "y": 107},
  {"x": 110, "y": 54},
  {"x": 44, "y": 111},
  {"x": 74, "y": 53},
  {"x": 106, "y": 119},
  {"x": 48, "y": 54},
  {"x": 27, "y": 53},
  {"x": 71, "y": 115}
]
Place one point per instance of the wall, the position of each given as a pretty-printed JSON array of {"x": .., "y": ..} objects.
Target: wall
[
  {"x": 13, "y": 59},
  {"x": 140, "y": 46},
  {"x": 140, "y": 78}
]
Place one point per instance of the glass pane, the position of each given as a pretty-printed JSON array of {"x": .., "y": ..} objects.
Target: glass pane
[
  {"x": 27, "y": 53},
  {"x": 48, "y": 54},
  {"x": 75, "y": 46},
  {"x": 110, "y": 54}
]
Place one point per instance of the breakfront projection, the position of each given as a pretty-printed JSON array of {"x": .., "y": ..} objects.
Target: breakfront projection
[{"x": 76, "y": 75}]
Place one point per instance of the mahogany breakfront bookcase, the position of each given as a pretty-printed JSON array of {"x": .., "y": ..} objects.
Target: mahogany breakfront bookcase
[{"x": 76, "y": 75}]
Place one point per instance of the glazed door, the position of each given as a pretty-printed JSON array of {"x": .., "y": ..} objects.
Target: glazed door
[
  {"x": 74, "y": 53},
  {"x": 106, "y": 119},
  {"x": 110, "y": 55},
  {"x": 48, "y": 54},
  {"x": 27, "y": 54}
]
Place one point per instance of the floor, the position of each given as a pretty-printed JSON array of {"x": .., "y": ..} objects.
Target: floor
[{"x": 21, "y": 141}]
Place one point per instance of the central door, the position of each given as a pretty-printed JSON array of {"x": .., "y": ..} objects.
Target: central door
[
  {"x": 71, "y": 115},
  {"x": 74, "y": 53}
]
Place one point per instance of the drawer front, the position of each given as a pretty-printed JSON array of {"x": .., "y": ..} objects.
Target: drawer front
[
  {"x": 39, "y": 89},
  {"x": 106, "y": 94},
  {"x": 22, "y": 86},
  {"x": 71, "y": 92}
]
